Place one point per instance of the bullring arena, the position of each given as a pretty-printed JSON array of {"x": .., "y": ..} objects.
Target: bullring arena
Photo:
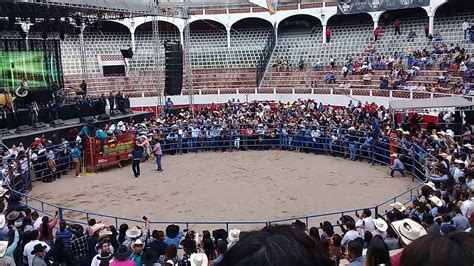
[
  {"x": 229, "y": 186},
  {"x": 237, "y": 132}
]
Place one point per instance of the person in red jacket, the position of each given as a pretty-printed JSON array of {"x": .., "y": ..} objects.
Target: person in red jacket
[
  {"x": 427, "y": 29},
  {"x": 397, "y": 26},
  {"x": 328, "y": 34},
  {"x": 376, "y": 33}
]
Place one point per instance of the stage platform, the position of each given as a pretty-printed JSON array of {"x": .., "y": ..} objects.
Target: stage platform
[{"x": 63, "y": 131}]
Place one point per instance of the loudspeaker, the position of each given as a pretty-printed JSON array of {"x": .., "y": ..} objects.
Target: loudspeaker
[
  {"x": 127, "y": 111},
  {"x": 88, "y": 119},
  {"x": 58, "y": 122},
  {"x": 40, "y": 125},
  {"x": 173, "y": 69},
  {"x": 127, "y": 52},
  {"x": 23, "y": 128},
  {"x": 103, "y": 117}
]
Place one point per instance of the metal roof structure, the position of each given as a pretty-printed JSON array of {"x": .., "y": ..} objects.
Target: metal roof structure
[{"x": 431, "y": 103}]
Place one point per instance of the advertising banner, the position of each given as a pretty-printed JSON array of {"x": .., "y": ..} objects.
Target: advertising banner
[
  {"x": 271, "y": 5},
  {"x": 363, "y": 6}
]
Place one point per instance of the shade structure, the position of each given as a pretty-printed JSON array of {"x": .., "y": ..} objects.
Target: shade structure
[{"x": 432, "y": 103}]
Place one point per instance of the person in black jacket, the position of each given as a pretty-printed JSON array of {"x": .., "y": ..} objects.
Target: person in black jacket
[{"x": 137, "y": 154}]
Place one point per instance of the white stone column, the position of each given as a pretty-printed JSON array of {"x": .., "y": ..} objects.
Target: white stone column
[
  {"x": 431, "y": 23},
  {"x": 132, "y": 34},
  {"x": 376, "y": 24},
  {"x": 228, "y": 37},
  {"x": 181, "y": 35},
  {"x": 324, "y": 32}
]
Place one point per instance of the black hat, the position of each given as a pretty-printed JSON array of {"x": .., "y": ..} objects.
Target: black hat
[
  {"x": 122, "y": 253},
  {"x": 105, "y": 256},
  {"x": 172, "y": 231},
  {"x": 149, "y": 257},
  {"x": 76, "y": 229},
  {"x": 220, "y": 234},
  {"x": 38, "y": 248}
]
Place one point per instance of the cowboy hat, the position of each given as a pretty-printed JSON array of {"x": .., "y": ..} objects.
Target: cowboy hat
[
  {"x": 3, "y": 248},
  {"x": 398, "y": 206},
  {"x": 149, "y": 257},
  {"x": 394, "y": 155},
  {"x": 431, "y": 185},
  {"x": 199, "y": 259},
  {"x": 436, "y": 201},
  {"x": 13, "y": 215},
  {"x": 134, "y": 232},
  {"x": 172, "y": 230},
  {"x": 469, "y": 146},
  {"x": 380, "y": 224},
  {"x": 104, "y": 233},
  {"x": 442, "y": 133},
  {"x": 97, "y": 227},
  {"x": 105, "y": 256},
  {"x": 444, "y": 155},
  {"x": 122, "y": 253},
  {"x": 38, "y": 248},
  {"x": 3, "y": 191},
  {"x": 408, "y": 230},
  {"x": 450, "y": 133},
  {"x": 137, "y": 242},
  {"x": 234, "y": 235},
  {"x": 458, "y": 161}
]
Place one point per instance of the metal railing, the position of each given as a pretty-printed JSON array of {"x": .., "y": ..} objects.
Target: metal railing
[{"x": 327, "y": 141}]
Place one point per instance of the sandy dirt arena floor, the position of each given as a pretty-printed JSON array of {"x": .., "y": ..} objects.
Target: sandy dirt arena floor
[{"x": 230, "y": 186}]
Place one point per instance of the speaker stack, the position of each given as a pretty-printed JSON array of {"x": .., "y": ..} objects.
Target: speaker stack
[{"x": 173, "y": 68}]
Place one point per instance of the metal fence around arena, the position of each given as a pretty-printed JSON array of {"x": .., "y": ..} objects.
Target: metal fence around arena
[{"x": 322, "y": 140}]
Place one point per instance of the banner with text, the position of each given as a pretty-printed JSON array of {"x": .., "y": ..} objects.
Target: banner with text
[
  {"x": 363, "y": 6},
  {"x": 270, "y": 5}
]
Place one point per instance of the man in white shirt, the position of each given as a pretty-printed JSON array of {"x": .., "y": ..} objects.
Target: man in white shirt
[
  {"x": 465, "y": 28},
  {"x": 365, "y": 222},
  {"x": 467, "y": 207},
  {"x": 30, "y": 246},
  {"x": 351, "y": 233}
]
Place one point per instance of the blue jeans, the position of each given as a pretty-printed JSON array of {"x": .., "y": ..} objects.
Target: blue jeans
[
  {"x": 26, "y": 179},
  {"x": 352, "y": 151},
  {"x": 158, "y": 162}
]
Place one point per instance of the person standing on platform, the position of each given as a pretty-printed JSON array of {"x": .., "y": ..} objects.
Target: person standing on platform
[
  {"x": 328, "y": 35},
  {"x": 53, "y": 110},
  {"x": 169, "y": 105},
  {"x": 111, "y": 102},
  {"x": 158, "y": 154},
  {"x": 84, "y": 88},
  {"x": 397, "y": 24},
  {"x": 137, "y": 154},
  {"x": 103, "y": 103},
  {"x": 33, "y": 112}
]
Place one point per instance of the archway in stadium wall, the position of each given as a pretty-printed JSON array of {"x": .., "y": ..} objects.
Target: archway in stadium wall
[
  {"x": 261, "y": 26},
  {"x": 453, "y": 8},
  {"x": 206, "y": 25},
  {"x": 304, "y": 23},
  {"x": 354, "y": 19},
  {"x": 167, "y": 30},
  {"x": 107, "y": 26},
  {"x": 388, "y": 17},
  {"x": 246, "y": 23}
]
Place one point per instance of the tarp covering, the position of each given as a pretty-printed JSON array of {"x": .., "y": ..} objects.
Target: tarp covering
[{"x": 443, "y": 102}]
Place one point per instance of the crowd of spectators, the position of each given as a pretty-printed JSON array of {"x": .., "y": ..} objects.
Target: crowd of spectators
[{"x": 441, "y": 211}]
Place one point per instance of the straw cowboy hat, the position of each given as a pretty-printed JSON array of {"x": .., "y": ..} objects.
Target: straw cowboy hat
[
  {"x": 398, "y": 206},
  {"x": 436, "y": 201},
  {"x": 458, "y": 161},
  {"x": 97, "y": 227},
  {"x": 3, "y": 248},
  {"x": 408, "y": 230},
  {"x": 199, "y": 259},
  {"x": 431, "y": 185},
  {"x": 469, "y": 146},
  {"x": 104, "y": 233},
  {"x": 380, "y": 224},
  {"x": 234, "y": 235},
  {"x": 13, "y": 215},
  {"x": 394, "y": 155},
  {"x": 3, "y": 191},
  {"x": 444, "y": 155},
  {"x": 137, "y": 242},
  {"x": 134, "y": 232}
]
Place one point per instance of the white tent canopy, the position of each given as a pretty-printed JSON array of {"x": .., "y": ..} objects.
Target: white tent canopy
[{"x": 432, "y": 103}]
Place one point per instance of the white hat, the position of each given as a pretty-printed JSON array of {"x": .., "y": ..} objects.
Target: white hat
[
  {"x": 394, "y": 155},
  {"x": 381, "y": 224},
  {"x": 469, "y": 146},
  {"x": 3, "y": 191},
  {"x": 458, "y": 161},
  {"x": 398, "y": 206},
  {"x": 2, "y": 220},
  {"x": 137, "y": 242},
  {"x": 444, "y": 155},
  {"x": 234, "y": 235},
  {"x": 134, "y": 232},
  {"x": 436, "y": 201},
  {"x": 3, "y": 248},
  {"x": 442, "y": 133},
  {"x": 406, "y": 132},
  {"x": 408, "y": 230},
  {"x": 352, "y": 128},
  {"x": 431, "y": 185},
  {"x": 104, "y": 233},
  {"x": 450, "y": 133},
  {"x": 199, "y": 259},
  {"x": 97, "y": 227}
]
